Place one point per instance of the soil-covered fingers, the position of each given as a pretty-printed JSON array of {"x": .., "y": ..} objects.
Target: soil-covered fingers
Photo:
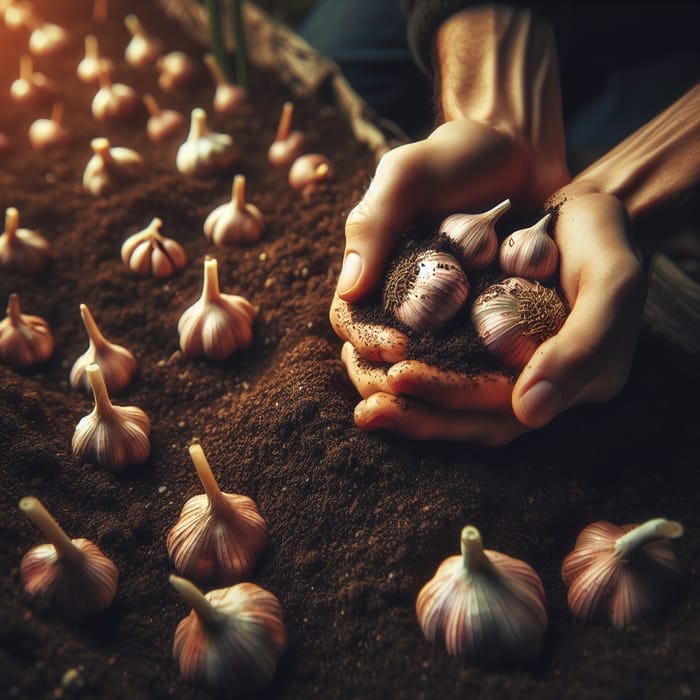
[{"x": 367, "y": 377}]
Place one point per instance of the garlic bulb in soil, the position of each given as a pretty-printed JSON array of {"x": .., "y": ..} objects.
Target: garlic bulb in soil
[
  {"x": 118, "y": 365},
  {"x": 45, "y": 134},
  {"x": 217, "y": 324},
  {"x": 310, "y": 169},
  {"x": 111, "y": 436},
  {"x": 530, "y": 252},
  {"x": 288, "y": 144},
  {"x": 425, "y": 289},
  {"x": 162, "y": 124},
  {"x": 475, "y": 234},
  {"x": 24, "y": 340},
  {"x": 515, "y": 316},
  {"x": 114, "y": 102},
  {"x": 109, "y": 167},
  {"x": 205, "y": 152},
  {"x": 142, "y": 50},
  {"x": 18, "y": 14},
  {"x": 48, "y": 39},
  {"x": 31, "y": 89},
  {"x": 22, "y": 250},
  {"x": 218, "y": 537},
  {"x": 176, "y": 71},
  {"x": 232, "y": 639},
  {"x": 150, "y": 254},
  {"x": 92, "y": 64},
  {"x": 236, "y": 221},
  {"x": 626, "y": 574},
  {"x": 486, "y": 607},
  {"x": 73, "y": 576},
  {"x": 228, "y": 97}
]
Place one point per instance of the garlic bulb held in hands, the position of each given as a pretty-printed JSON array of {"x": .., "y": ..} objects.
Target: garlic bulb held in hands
[
  {"x": 32, "y": 89},
  {"x": 217, "y": 324},
  {"x": 627, "y": 574},
  {"x": 73, "y": 576},
  {"x": 113, "y": 102},
  {"x": 45, "y": 134},
  {"x": 24, "y": 340},
  {"x": 515, "y": 316},
  {"x": 232, "y": 639},
  {"x": 228, "y": 97},
  {"x": 149, "y": 253},
  {"x": 109, "y": 167},
  {"x": 288, "y": 144},
  {"x": 142, "y": 50},
  {"x": 235, "y": 222},
  {"x": 205, "y": 152},
  {"x": 486, "y": 608},
  {"x": 92, "y": 64},
  {"x": 310, "y": 169},
  {"x": 530, "y": 252},
  {"x": 111, "y": 436},
  {"x": 22, "y": 250},
  {"x": 118, "y": 364},
  {"x": 218, "y": 537},
  {"x": 162, "y": 124}
]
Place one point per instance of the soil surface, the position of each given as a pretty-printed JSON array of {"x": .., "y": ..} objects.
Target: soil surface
[{"x": 358, "y": 522}]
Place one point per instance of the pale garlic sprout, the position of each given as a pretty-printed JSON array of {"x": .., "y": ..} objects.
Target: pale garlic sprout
[
  {"x": 235, "y": 222},
  {"x": 31, "y": 89},
  {"x": 151, "y": 254},
  {"x": 25, "y": 340},
  {"x": 73, "y": 576},
  {"x": 486, "y": 607},
  {"x": 288, "y": 144},
  {"x": 110, "y": 167},
  {"x": 228, "y": 97},
  {"x": 530, "y": 252},
  {"x": 217, "y": 324},
  {"x": 162, "y": 124},
  {"x": 118, "y": 364},
  {"x": 143, "y": 49},
  {"x": 22, "y": 250},
  {"x": 45, "y": 134},
  {"x": 113, "y": 437},
  {"x": 113, "y": 102},
  {"x": 92, "y": 64},
  {"x": 310, "y": 169},
  {"x": 219, "y": 536},
  {"x": 205, "y": 152},
  {"x": 232, "y": 639}
]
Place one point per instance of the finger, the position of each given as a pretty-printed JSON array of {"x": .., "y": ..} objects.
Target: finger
[
  {"x": 417, "y": 421},
  {"x": 366, "y": 377}
]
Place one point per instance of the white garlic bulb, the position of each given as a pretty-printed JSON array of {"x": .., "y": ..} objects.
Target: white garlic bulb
[
  {"x": 176, "y": 71},
  {"x": 162, "y": 124},
  {"x": 22, "y": 250},
  {"x": 111, "y": 436},
  {"x": 232, "y": 639},
  {"x": 150, "y": 254},
  {"x": 92, "y": 64},
  {"x": 25, "y": 340},
  {"x": 236, "y": 221},
  {"x": 73, "y": 576},
  {"x": 425, "y": 289},
  {"x": 228, "y": 97},
  {"x": 113, "y": 101},
  {"x": 288, "y": 144},
  {"x": 475, "y": 234},
  {"x": 515, "y": 316},
  {"x": 142, "y": 50},
  {"x": 218, "y": 537},
  {"x": 19, "y": 14},
  {"x": 530, "y": 252},
  {"x": 626, "y": 574},
  {"x": 50, "y": 133},
  {"x": 109, "y": 167},
  {"x": 486, "y": 608},
  {"x": 205, "y": 152},
  {"x": 217, "y": 324},
  {"x": 118, "y": 364},
  {"x": 48, "y": 39},
  {"x": 32, "y": 89},
  {"x": 310, "y": 169}
]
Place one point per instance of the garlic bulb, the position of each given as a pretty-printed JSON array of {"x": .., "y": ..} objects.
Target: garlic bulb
[
  {"x": 228, "y": 97},
  {"x": 142, "y": 50},
  {"x": 515, "y": 316},
  {"x": 205, "y": 152},
  {"x": 216, "y": 324},
  {"x": 48, "y": 39},
  {"x": 288, "y": 144},
  {"x": 19, "y": 14},
  {"x": 162, "y": 124},
  {"x": 475, "y": 234},
  {"x": 118, "y": 364},
  {"x": 218, "y": 536},
  {"x": 73, "y": 576},
  {"x": 232, "y": 639},
  {"x": 486, "y": 607},
  {"x": 149, "y": 253},
  {"x": 50, "y": 133},
  {"x": 24, "y": 340},
  {"x": 31, "y": 89},
  {"x": 235, "y": 222},
  {"x": 113, "y": 101},
  {"x": 21, "y": 249},
  {"x": 176, "y": 71},
  {"x": 109, "y": 167},
  {"x": 530, "y": 252},
  {"x": 111, "y": 436},
  {"x": 626, "y": 573},
  {"x": 425, "y": 289},
  {"x": 92, "y": 64},
  {"x": 310, "y": 169}
]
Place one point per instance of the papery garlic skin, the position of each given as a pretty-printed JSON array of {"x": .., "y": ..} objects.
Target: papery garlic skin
[
  {"x": 22, "y": 250},
  {"x": 485, "y": 607},
  {"x": 92, "y": 65},
  {"x": 142, "y": 50},
  {"x": 236, "y": 222},
  {"x": 513, "y": 318},
  {"x": 530, "y": 252},
  {"x": 310, "y": 169},
  {"x": 205, "y": 152},
  {"x": 425, "y": 290},
  {"x": 25, "y": 340},
  {"x": 109, "y": 167},
  {"x": 150, "y": 254},
  {"x": 288, "y": 144},
  {"x": 626, "y": 574},
  {"x": 50, "y": 133},
  {"x": 48, "y": 39}
]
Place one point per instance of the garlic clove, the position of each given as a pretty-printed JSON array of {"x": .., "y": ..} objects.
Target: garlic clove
[
  {"x": 310, "y": 169},
  {"x": 235, "y": 222},
  {"x": 530, "y": 252},
  {"x": 487, "y": 608},
  {"x": 22, "y": 250},
  {"x": 111, "y": 436},
  {"x": 92, "y": 64},
  {"x": 232, "y": 639},
  {"x": 114, "y": 102},
  {"x": 118, "y": 364},
  {"x": 45, "y": 134},
  {"x": 514, "y": 317},
  {"x": 176, "y": 71},
  {"x": 73, "y": 576},
  {"x": 627, "y": 574},
  {"x": 205, "y": 152},
  {"x": 150, "y": 254},
  {"x": 48, "y": 39},
  {"x": 218, "y": 537},
  {"x": 32, "y": 89},
  {"x": 228, "y": 97},
  {"x": 25, "y": 340},
  {"x": 142, "y": 50},
  {"x": 217, "y": 324},
  {"x": 475, "y": 234},
  {"x": 163, "y": 124},
  {"x": 425, "y": 289},
  {"x": 288, "y": 144},
  {"x": 109, "y": 167}
]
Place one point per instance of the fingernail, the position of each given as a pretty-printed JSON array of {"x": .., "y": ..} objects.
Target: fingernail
[
  {"x": 352, "y": 267},
  {"x": 541, "y": 402}
]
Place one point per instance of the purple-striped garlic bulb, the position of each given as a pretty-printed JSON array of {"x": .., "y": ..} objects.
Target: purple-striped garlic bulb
[
  {"x": 288, "y": 144},
  {"x": 151, "y": 254},
  {"x": 205, "y": 152},
  {"x": 530, "y": 252},
  {"x": 22, "y": 250},
  {"x": 236, "y": 222},
  {"x": 25, "y": 340}
]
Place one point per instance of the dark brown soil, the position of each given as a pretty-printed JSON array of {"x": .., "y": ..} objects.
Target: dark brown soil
[{"x": 358, "y": 522}]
